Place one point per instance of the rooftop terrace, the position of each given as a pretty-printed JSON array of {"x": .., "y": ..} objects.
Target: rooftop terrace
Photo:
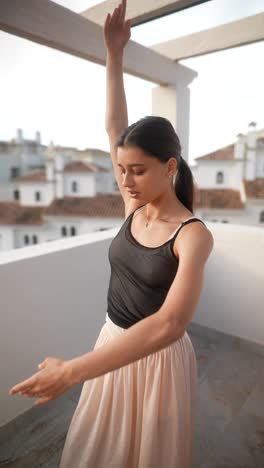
[
  {"x": 230, "y": 416},
  {"x": 50, "y": 291}
]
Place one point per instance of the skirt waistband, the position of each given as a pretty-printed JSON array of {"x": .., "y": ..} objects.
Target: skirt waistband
[{"x": 114, "y": 329}]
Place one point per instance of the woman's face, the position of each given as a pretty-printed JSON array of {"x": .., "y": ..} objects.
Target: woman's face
[{"x": 144, "y": 174}]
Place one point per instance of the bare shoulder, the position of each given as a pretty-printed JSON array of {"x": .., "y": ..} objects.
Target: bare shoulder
[
  {"x": 194, "y": 241},
  {"x": 131, "y": 205}
]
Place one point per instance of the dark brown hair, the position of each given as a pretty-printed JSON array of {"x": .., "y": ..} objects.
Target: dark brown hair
[{"x": 156, "y": 136}]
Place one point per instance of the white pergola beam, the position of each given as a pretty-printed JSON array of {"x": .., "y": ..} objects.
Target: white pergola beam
[
  {"x": 139, "y": 11},
  {"x": 52, "y": 25},
  {"x": 235, "y": 34}
]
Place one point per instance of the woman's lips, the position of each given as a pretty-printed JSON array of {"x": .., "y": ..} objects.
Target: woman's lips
[{"x": 133, "y": 194}]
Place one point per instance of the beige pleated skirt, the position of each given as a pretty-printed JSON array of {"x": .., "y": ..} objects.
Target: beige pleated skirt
[{"x": 139, "y": 416}]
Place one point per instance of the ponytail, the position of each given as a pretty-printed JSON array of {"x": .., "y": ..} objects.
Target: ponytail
[{"x": 183, "y": 185}]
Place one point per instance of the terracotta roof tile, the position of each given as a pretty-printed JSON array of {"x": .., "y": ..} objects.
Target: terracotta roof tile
[
  {"x": 36, "y": 176},
  {"x": 13, "y": 213},
  {"x": 254, "y": 188},
  {"x": 223, "y": 154},
  {"x": 217, "y": 198},
  {"x": 103, "y": 205},
  {"x": 79, "y": 166}
]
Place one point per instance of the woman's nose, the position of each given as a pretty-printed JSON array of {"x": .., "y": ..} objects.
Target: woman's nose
[{"x": 127, "y": 181}]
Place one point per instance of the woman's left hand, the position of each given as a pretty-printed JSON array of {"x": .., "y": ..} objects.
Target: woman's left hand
[{"x": 51, "y": 381}]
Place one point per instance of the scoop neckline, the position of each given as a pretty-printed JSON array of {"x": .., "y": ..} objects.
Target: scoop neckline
[{"x": 145, "y": 246}]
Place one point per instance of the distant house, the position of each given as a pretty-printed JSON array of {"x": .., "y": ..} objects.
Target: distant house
[
  {"x": 229, "y": 182},
  {"x": 52, "y": 192}
]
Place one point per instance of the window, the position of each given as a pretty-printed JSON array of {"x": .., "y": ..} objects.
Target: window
[
  {"x": 14, "y": 172},
  {"x": 261, "y": 217},
  {"x": 16, "y": 194},
  {"x": 224, "y": 221},
  {"x": 219, "y": 177},
  {"x": 74, "y": 186},
  {"x": 64, "y": 231},
  {"x": 34, "y": 239},
  {"x": 37, "y": 196},
  {"x": 26, "y": 240},
  {"x": 73, "y": 231}
]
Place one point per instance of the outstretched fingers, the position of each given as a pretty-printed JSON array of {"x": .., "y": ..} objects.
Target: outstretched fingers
[
  {"x": 115, "y": 16},
  {"x": 23, "y": 386},
  {"x": 127, "y": 24},
  {"x": 107, "y": 21},
  {"x": 122, "y": 11}
]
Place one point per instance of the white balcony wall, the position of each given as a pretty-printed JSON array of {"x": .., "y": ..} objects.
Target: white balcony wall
[{"x": 54, "y": 299}]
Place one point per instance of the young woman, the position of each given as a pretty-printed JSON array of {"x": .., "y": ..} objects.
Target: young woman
[{"x": 138, "y": 402}]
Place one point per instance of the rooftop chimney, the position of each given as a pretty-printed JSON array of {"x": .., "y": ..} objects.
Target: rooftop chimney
[
  {"x": 19, "y": 137},
  {"x": 239, "y": 150},
  {"x": 38, "y": 138},
  {"x": 252, "y": 135}
]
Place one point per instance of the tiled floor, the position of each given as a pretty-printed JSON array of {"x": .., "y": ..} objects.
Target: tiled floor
[{"x": 230, "y": 411}]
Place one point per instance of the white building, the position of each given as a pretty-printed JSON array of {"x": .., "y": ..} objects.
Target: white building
[
  {"x": 65, "y": 192},
  {"x": 230, "y": 181}
]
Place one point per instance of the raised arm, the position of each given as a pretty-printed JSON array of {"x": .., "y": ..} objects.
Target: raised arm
[{"x": 116, "y": 36}]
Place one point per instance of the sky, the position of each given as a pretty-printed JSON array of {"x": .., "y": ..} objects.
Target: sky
[{"x": 63, "y": 96}]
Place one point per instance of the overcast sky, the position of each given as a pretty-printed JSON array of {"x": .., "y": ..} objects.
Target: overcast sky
[{"x": 64, "y": 97}]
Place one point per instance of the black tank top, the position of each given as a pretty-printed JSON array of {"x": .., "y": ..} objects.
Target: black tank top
[{"x": 140, "y": 276}]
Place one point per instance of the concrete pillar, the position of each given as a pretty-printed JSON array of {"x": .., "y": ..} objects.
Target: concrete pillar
[{"x": 173, "y": 103}]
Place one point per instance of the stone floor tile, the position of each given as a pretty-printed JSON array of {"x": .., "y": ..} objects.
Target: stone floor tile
[{"x": 36, "y": 435}]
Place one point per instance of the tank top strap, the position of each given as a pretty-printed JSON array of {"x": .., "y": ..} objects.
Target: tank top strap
[
  {"x": 189, "y": 220},
  {"x": 134, "y": 213}
]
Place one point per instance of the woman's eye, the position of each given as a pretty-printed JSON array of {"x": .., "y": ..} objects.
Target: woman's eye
[{"x": 134, "y": 173}]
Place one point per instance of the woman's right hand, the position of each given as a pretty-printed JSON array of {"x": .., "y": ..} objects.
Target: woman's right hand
[{"x": 117, "y": 30}]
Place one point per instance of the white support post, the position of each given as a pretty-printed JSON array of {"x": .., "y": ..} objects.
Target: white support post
[{"x": 173, "y": 103}]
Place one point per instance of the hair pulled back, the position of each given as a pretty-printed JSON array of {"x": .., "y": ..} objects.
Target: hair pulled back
[{"x": 156, "y": 136}]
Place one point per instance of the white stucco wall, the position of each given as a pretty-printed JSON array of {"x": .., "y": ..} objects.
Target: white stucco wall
[
  {"x": 82, "y": 225},
  {"x": 21, "y": 231},
  {"x": 27, "y": 193},
  {"x": 13, "y": 236},
  {"x": 85, "y": 185},
  {"x": 205, "y": 174},
  {"x": 105, "y": 182},
  {"x": 260, "y": 161},
  {"x": 7, "y": 161},
  {"x": 7, "y": 241},
  {"x": 102, "y": 160}
]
